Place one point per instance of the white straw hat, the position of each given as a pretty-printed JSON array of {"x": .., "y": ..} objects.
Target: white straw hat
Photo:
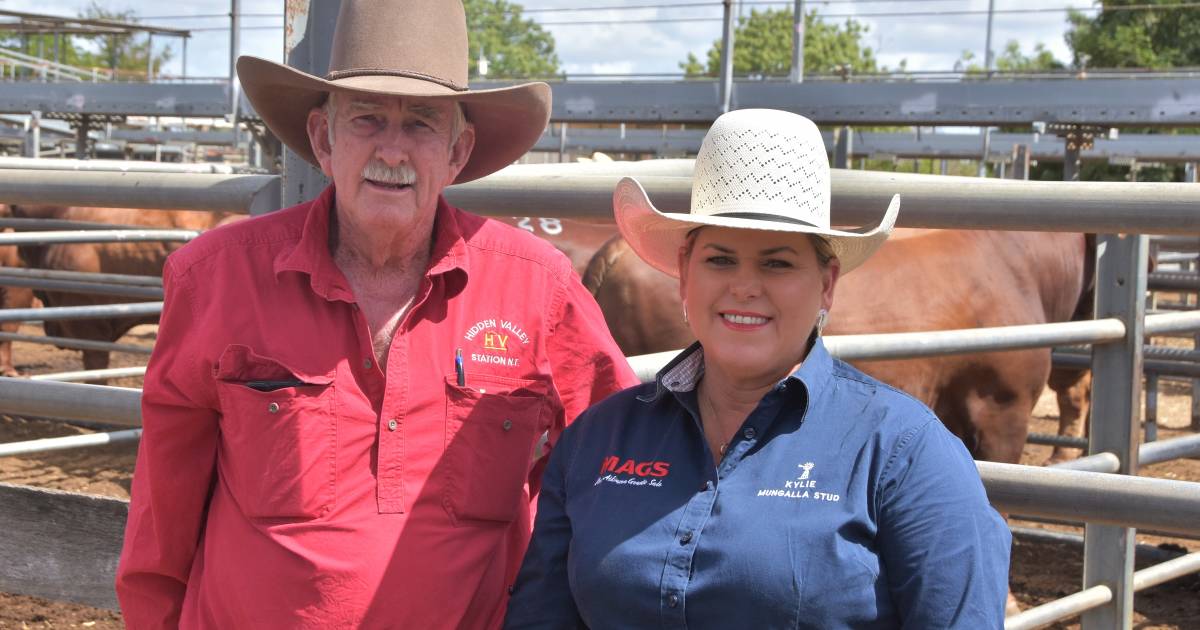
[{"x": 758, "y": 169}]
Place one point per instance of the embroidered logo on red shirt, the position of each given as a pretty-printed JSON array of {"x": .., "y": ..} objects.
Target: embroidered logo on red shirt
[
  {"x": 495, "y": 341},
  {"x": 498, "y": 337}
]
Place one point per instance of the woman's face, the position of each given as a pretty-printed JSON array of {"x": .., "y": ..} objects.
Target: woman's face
[{"x": 752, "y": 298}]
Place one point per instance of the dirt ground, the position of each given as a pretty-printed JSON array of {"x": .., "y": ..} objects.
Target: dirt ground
[{"x": 1040, "y": 571}]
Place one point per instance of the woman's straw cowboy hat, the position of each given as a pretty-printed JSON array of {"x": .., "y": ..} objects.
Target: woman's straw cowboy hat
[
  {"x": 758, "y": 169},
  {"x": 401, "y": 48}
]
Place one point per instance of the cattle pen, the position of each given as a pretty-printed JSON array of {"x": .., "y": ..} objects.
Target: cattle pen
[{"x": 63, "y": 567}]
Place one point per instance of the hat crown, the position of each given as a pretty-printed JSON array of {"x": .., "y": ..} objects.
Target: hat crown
[
  {"x": 765, "y": 163},
  {"x": 418, "y": 38}
]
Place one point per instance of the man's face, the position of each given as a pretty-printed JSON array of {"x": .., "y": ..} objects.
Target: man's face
[{"x": 389, "y": 157}]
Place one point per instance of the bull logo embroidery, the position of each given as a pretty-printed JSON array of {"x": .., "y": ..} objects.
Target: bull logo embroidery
[
  {"x": 495, "y": 341},
  {"x": 804, "y": 470}
]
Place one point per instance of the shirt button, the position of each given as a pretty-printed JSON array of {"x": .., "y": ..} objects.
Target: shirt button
[
  {"x": 748, "y": 433},
  {"x": 392, "y": 424},
  {"x": 685, "y": 538},
  {"x": 507, "y": 424},
  {"x": 673, "y": 600},
  {"x": 273, "y": 408},
  {"x": 705, "y": 486},
  {"x": 366, "y": 364}
]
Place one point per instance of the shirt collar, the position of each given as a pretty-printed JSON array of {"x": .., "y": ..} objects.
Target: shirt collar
[
  {"x": 311, "y": 255},
  {"x": 817, "y": 369},
  {"x": 683, "y": 372}
]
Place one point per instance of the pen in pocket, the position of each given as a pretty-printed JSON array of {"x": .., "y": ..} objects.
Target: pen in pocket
[
  {"x": 270, "y": 386},
  {"x": 459, "y": 372}
]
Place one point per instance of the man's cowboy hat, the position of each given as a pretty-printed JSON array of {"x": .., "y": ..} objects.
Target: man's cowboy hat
[
  {"x": 758, "y": 169},
  {"x": 401, "y": 48}
]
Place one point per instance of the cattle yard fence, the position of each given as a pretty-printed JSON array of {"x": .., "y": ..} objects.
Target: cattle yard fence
[{"x": 1112, "y": 504}]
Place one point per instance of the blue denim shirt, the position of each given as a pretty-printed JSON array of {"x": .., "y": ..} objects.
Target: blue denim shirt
[{"x": 840, "y": 503}]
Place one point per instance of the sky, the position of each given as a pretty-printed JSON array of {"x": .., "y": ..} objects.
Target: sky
[{"x": 628, "y": 44}]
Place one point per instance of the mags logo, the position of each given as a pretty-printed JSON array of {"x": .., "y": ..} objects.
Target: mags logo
[{"x": 613, "y": 464}]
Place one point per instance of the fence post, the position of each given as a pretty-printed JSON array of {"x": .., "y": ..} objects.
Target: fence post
[
  {"x": 1190, "y": 175},
  {"x": 33, "y": 147},
  {"x": 797, "y": 75},
  {"x": 81, "y": 137},
  {"x": 727, "y": 58},
  {"x": 843, "y": 149},
  {"x": 1116, "y": 411},
  {"x": 308, "y": 38},
  {"x": 562, "y": 141},
  {"x": 987, "y": 148},
  {"x": 1020, "y": 161},
  {"x": 235, "y": 32}
]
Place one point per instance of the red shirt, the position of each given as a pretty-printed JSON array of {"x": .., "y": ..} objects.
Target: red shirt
[{"x": 284, "y": 480}]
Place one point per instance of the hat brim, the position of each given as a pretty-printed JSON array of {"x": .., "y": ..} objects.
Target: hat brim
[
  {"x": 657, "y": 236},
  {"x": 508, "y": 121}
]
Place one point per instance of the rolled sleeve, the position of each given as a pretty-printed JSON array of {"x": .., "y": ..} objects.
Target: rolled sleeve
[
  {"x": 945, "y": 548},
  {"x": 174, "y": 470}
]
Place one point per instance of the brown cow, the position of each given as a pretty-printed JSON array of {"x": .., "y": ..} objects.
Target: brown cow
[
  {"x": 144, "y": 259},
  {"x": 919, "y": 280},
  {"x": 10, "y": 297},
  {"x": 579, "y": 240}
]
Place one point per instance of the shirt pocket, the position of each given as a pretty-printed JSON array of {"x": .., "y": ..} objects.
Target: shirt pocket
[
  {"x": 492, "y": 428},
  {"x": 278, "y": 436}
]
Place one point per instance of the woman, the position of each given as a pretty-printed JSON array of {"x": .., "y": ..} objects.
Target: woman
[{"x": 759, "y": 483}]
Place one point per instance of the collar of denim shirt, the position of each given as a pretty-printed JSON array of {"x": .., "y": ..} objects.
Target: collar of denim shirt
[{"x": 684, "y": 372}]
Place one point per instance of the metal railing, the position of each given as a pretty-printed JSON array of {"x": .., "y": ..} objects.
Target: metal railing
[
  {"x": 98, "y": 236},
  {"x": 1112, "y": 503},
  {"x": 47, "y": 70},
  {"x": 101, "y": 311},
  {"x": 932, "y": 201},
  {"x": 75, "y": 344}
]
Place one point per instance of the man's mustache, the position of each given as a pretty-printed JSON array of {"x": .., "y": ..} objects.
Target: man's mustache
[{"x": 378, "y": 171}]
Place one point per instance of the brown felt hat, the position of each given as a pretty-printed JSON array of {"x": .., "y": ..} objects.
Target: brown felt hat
[{"x": 401, "y": 48}]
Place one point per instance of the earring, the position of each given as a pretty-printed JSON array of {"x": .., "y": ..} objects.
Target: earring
[
  {"x": 822, "y": 319},
  {"x": 685, "y": 319}
]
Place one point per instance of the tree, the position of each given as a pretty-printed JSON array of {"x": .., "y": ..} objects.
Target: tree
[
  {"x": 1013, "y": 60},
  {"x": 513, "y": 46},
  {"x": 125, "y": 53},
  {"x": 762, "y": 44},
  {"x": 1160, "y": 38}
]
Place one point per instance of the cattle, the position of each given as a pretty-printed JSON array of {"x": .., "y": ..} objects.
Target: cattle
[
  {"x": 920, "y": 280},
  {"x": 143, "y": 259},
  {"x": 10, "y": 297},
  {"x": 1073, "y": 391},
  {"x": 579, "y": 240}
]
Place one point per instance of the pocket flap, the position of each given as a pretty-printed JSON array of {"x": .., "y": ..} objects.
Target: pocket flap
[
  {"x": 239, "y": 363},
  {"x": 500, "y": 385}
]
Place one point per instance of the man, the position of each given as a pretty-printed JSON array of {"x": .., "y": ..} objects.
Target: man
[{"x": 351, "y": 399}]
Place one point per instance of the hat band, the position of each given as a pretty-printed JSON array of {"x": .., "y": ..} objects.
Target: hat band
[
  {"x": 359, "y": 72},
  {"x": 762, "y": 216}
]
